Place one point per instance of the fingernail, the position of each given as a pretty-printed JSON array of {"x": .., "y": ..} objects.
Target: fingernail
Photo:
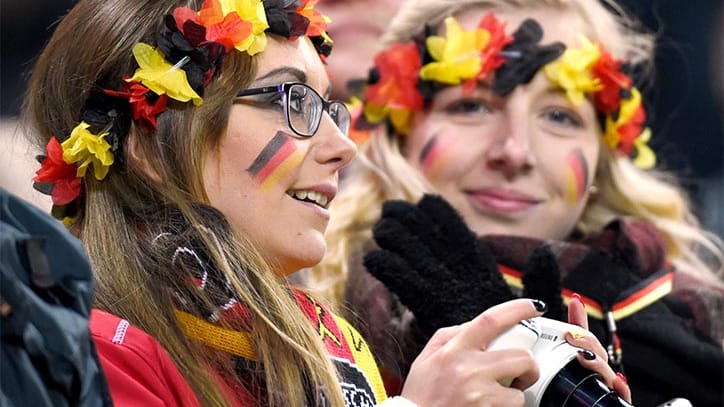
[
  {"x": 587, "y": 354},
  {"x": 577, "y": 333},
  {"x": 576, "y": 296},
  {"x": 622, "y": 377},
  {"x": 539, "y": 305}
]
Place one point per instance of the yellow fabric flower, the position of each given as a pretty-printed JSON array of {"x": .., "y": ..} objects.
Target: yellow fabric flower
[
  {"x": 625, "y": 132},
  {"x": 318, "y": 22},
  {"x": 253, "y": 12},
  {"x": 645, "y": 157},
  {"x": 628, "y": 108},
  {"x": 353, "y": 103},
  {"x": 400, "y": 117},
  {"x": 572, "y": 71},
  {"x": 160, "y": 76},
  {"x": 457, "y": 55},
  {"x": 375, "y": 113},
  {"x": 88, "y": 148},
  {"x": 610, "y": 135}
]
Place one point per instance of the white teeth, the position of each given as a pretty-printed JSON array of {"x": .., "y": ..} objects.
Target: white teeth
[
  {"x": 316, "y": 197},
  {"x": 323, "y": 201}
]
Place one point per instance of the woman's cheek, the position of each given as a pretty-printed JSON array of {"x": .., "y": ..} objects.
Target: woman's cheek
[
  {"x": 436, "y": 154},
  {"x": 278, "y": 158},
  {"x": 575, "y": 176}
]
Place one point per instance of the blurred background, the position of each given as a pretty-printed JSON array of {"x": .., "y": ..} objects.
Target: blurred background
[{"x": 685, "y": 103}]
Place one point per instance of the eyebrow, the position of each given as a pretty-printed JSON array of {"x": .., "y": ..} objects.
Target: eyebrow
[
  {"x": 297, "y": 74},
  {"x": 286, "y": 71},
  {"x": 553, "y": 90}
]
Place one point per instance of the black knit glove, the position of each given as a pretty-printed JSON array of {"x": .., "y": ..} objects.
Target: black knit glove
[
  {"x": 434, "y": 263},
  {"x": 542, "y": 280}
]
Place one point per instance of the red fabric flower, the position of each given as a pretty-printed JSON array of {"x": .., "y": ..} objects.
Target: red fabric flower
[
  {"x": 490, "y": 56},
  {"x": 630, "y": 130},
  {"x": 54, "y": 170},
  {"x": 607, "y": 70},
  {"x": 357, "y": 131},
  {"x": 398, "y": 68},
  {"x": 227, "y": 30},
  {"x": 317, "y": 22},
  {"x": 142, "y": 110}
]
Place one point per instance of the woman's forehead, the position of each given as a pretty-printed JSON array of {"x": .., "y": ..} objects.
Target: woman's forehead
[{"x": 299, "y": 56}]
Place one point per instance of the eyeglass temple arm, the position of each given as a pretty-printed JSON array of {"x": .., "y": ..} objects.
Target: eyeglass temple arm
[{"x": 258, "y": 91}]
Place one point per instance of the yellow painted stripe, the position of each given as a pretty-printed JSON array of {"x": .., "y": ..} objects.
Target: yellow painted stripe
[{"x": 282, "y": 170}]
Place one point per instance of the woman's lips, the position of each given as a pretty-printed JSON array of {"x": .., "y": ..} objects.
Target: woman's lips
[{"x": 501, "y": 200}]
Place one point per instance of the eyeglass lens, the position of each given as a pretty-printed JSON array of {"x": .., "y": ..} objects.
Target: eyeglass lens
[{"x": 305, "y": 108}]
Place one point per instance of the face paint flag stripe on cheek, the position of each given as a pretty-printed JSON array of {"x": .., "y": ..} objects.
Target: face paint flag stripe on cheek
[
  {"x": 276, "y": 160},
  {"x": 576, "y": 176},
  {"x": 432, "y": 157}
]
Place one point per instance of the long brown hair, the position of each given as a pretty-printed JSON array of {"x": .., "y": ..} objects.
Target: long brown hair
[{"x": 91, "y": 49}]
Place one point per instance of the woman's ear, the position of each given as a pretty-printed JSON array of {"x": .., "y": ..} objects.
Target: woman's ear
[{"x": 137, "y": 156}]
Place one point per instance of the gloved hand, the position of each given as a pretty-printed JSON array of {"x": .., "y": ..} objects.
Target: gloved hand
[
  {"x": 542, "y": 280},
  {"x": 435, "y": 265}
]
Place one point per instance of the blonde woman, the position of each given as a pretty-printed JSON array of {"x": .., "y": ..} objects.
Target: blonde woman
[
  {"x": 524, "y": 117},
  {"x": 191, "y": 147}
]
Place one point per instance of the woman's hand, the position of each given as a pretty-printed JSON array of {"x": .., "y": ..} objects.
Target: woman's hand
[
  {"x": 434, "y": 263},
  {"x": 597, "y": 358},
  {"x": 454, "y": 368}
]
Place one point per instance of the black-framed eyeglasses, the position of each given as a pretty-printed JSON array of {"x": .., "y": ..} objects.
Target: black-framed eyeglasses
[{"x": 303, "y": 107}]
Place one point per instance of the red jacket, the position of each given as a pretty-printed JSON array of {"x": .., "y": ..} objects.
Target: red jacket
[
  {"x": 140, "y": 372},
  {"x": 138, "y": 369}
]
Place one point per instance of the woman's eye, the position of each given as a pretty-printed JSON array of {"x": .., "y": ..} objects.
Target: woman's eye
[
  {"x": 467, "y": 106},
  {"x": 297, "y": 97},
  {"x": 563, "y": 117},
  {"x": 274, "y": 99},
  {"x": 296, "y": 103}
]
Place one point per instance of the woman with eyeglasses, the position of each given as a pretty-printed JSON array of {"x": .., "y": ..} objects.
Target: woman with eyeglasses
[
  {"x": 192, "y": 149},
  {"x": 523, "y": 119}
]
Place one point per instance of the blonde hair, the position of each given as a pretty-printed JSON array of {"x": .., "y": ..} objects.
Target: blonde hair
[
  {"x": 120, "y": 214},
  {"x": 380, "y": 171}
]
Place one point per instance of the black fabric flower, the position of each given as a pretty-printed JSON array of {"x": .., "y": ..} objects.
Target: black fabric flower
[
  {"x": 283, "y": 18},
  {"x": 321, "y": 45},
  {"x": 524, "y": 57},
  {"x": 104, "y": 112},
  {"x": 427, "y": 89},
  {"x": 205, "y": 58}
]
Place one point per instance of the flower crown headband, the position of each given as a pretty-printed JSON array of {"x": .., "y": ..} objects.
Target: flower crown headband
[
  {"x": 407, "y": 75},
  {"x": 188, "y": 56}
]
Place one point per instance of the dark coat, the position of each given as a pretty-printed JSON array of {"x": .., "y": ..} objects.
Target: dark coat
[
  {"x": 671, "y": 348},
  {"x": 48, "y": 357}
]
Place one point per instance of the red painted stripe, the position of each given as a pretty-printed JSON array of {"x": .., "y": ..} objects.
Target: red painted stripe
[
  {"x": 275, "y": 161},
  {"x": 578, "y": 166}
]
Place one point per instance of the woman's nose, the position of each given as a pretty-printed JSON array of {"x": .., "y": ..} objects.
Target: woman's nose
[
  {"x": 334, "y": 147},
  {"x": 510, "y": 150}
]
